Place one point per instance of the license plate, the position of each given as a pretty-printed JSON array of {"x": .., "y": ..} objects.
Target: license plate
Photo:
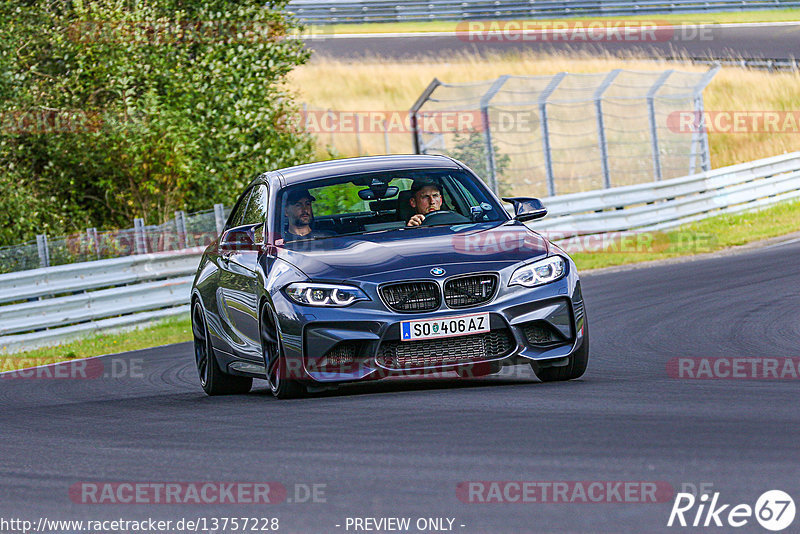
[{"x": 461, "y": 325}]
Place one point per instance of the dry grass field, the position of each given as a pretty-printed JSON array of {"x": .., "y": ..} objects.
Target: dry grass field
[{"x": 380, "y": 85}]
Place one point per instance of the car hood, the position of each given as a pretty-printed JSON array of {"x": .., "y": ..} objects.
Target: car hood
[{"x": 380, "y": 253}]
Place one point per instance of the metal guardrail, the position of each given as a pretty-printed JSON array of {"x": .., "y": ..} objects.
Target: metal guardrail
[
  {"x": 54, "y": 304},
  {"x": 772, "y": 65},
  {"x": 186, "y": 230},
  {"x": 672, "y": 203},
  {"x": 337, "y": 12}
]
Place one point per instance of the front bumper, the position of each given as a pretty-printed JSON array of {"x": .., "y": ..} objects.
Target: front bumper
[{"x": 362, "y": 342}]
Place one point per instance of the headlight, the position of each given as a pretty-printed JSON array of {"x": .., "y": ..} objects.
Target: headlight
[
  {"x": 332, "y": 295},
  {"x": 539, "y": 272}
]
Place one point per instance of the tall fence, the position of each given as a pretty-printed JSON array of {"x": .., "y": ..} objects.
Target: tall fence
[
  {"x": 552, "y": 135},
  {"x": 337, "y": 12},
  {"x": 183, "y": 232}
]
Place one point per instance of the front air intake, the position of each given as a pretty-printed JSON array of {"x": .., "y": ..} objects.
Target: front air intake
[
  {"x": 470, "y": 290},
  {"x": 412, "y": 296}
]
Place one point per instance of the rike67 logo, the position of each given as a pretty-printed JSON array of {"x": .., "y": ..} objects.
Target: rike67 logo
[{"x": 774, "y": 510}]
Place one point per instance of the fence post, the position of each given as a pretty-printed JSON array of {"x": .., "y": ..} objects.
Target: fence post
[
  {"x": 91, "y": 233},
  {"x": 416, "y": 134},
  {"x": 180, "y": 225},
  {"x": 548, "y": 159},
  {"x": 139, "y": 240},
  {"x": 601, "y": 127},
  {"x": 387, "y": 149},
  {"x": 44, "y": 253},
  {"x": 700, "y": 136},
  {"x": 491, "y": 163},
  {"x": 651, "y": 111},
  {"x": 706, "y": 152},
  {"x": 219, "y": 217}
]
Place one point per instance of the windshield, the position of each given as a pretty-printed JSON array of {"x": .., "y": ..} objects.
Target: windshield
[{"x": 384, "y": 202}]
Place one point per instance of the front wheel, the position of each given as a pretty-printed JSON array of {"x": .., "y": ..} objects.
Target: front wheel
[
  {"x": 212, "y": 379},
  {"x": 275, "y": 361},
  {"x": 575, "y": 367}
]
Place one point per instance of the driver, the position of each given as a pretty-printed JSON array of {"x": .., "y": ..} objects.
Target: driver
[
  {"x": 300, "y": 214},
  {"x": 426, "y": 197}
]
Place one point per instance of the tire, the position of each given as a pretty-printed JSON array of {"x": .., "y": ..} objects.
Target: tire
[
  {"x": 281, "y": 386},
  {"x": 212, "y": 379},
  {"x": 574, "y": 368}
]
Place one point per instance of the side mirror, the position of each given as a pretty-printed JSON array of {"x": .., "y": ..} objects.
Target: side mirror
[
  {"x": 526, "y": 208},
  {"x": 239, "y": 238}
]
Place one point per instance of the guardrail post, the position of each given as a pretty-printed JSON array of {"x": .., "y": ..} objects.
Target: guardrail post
[
  {"x": 548, "y": 159},
  {"x": 601, "y": 128},
  {"x": 651, "y": 111},
  {"x": 139, "y": 239},
  {"x": 44, "y": 253},
  {"x": 219, "y": 217},
  {"x": 416, "y": 135},
  {"x": 491, "y": 163},
  {"x": 91, "y": 233},
  {"x": 180, "y": 225}
]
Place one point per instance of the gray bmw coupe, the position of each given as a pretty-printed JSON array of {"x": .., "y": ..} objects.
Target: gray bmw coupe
[{"x": 366, "y": 268}]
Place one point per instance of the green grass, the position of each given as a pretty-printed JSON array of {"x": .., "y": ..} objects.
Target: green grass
[
  {"x": 173, "y": 330},
  {"x": 777, "y": 15},
  {"x": 710, "y": 235}
]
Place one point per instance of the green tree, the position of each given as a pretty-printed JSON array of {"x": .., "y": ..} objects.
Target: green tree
[
  {"x": 114, "y": 110},
  {"x": 470, "y": 149}
]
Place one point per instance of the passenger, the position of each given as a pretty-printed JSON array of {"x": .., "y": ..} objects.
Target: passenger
[{"x": 300, "y": 213}]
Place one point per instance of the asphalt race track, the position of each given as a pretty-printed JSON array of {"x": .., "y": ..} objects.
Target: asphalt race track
[
  {"x": 399, "y": 449},
  {"x": 769, "y": 41}
]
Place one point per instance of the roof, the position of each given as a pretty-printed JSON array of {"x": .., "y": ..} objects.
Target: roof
[{"x": 341, "y": 167}]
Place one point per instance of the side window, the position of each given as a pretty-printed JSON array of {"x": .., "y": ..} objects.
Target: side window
[
  {"x": 239, "y": 211},
  {"x": 256, "y": 211}
]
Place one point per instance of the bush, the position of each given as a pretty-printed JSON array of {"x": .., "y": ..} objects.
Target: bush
[{"x": 115, "y": 110}]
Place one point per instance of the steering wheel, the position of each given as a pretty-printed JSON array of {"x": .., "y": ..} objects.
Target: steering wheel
[{"x": 443, "y": 217}]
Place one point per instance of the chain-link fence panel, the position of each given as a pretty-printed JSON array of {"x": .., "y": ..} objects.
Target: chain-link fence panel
[
  {"x": 184, "y": 231},
  {"x": 551, "y": 135},
  {"x": 19, "y": 257}
]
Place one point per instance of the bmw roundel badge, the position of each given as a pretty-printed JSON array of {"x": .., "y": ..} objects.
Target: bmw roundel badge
[{"x": 437, "y": 271}]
